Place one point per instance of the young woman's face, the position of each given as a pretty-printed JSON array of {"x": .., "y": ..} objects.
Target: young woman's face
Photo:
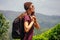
[{"x": 32, "y": 9}]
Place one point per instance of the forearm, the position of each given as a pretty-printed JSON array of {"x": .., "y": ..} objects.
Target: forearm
[
  {"x": 29, "y": 26},
  {"x": 36, "y": 25}
]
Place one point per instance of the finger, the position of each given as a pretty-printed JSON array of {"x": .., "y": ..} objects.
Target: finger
[{"x": 34, "y": 17}]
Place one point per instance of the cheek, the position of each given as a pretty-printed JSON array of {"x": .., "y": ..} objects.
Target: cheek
[{"x": 32, "y": 9}]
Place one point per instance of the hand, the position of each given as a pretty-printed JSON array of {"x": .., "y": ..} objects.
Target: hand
[{"x": 33, "y": 18}]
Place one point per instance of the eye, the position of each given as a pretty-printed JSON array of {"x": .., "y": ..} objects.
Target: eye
[{"x": 32, "y": 6}]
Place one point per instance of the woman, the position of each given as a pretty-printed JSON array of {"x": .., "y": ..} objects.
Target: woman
[{"x": 29, "y": 21}]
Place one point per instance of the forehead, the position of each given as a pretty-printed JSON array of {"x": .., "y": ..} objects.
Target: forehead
[{"x": 31, "y": 5}]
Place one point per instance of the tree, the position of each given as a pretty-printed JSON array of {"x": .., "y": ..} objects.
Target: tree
[{"x": 4, "y": 25}]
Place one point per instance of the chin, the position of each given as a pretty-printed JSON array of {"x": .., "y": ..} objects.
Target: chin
[{"x": 32, "y": 13}]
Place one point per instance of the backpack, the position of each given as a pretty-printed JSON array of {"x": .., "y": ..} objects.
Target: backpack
[{"x": 18, "y": 28}]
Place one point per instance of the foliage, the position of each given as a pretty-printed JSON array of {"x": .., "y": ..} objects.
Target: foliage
[
  {"x": 4, "y": 25},
  {"x": 51, "y": 34}
]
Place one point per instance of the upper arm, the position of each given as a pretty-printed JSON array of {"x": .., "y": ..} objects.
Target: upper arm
[
  {"x": 26, "y": 19},
  {"x": 25, "y": 24}
]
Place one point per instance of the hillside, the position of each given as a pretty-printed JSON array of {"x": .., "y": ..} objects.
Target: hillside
[
  {"x": 51, "y": 34},
  {"x": 45, "y": 21}
]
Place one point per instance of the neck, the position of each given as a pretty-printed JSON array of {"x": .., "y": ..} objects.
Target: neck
[{"x": 28, "y": 12}]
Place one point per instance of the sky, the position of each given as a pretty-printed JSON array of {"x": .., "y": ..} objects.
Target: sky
[{"x": 47, "y": 7}]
